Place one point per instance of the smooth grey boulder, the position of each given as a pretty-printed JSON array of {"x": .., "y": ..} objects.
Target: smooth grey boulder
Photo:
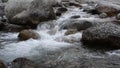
[{"x": 29, "y": 12}]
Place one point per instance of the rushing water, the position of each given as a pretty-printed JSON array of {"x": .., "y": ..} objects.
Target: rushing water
[{"x": 53, "y": 43}]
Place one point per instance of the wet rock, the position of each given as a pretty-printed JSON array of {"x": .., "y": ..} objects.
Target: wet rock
[
  {"x": 70, "y": 31},
  {"x": 76, "y": 16},
  {"x": 110, "y": 11},
  {"x": 107, "y": 34},
  {"x": 29, "y": 12},
  {"x": 27, "y": 34},
  {"x": 23, "y": 63},
  {"x": 103, "y": 15},
  {"x": 74, "y": 4},
  {"x": 90, "y": 8},
  {"x": 2, "y": 64},
  {"x": 62, "y": 9},
  {"x": 92, "y": 11},
  {"x": 58, "y": 13},
  {"x": 76, "y": 24},
  {"x": 12, "y": 28},
  {"x": 2, "y": 25},
  {"x": 91, "y": 62}
]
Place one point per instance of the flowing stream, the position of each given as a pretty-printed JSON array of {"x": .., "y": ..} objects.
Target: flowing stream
[{"x": 53, "y": 44}]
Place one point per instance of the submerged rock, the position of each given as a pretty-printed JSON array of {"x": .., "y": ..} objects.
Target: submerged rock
[
  {"x": 29, "y": 12},
  {"x": 70, "y": 31},
  {"x": 27, "y": 34},
  {"x": 107, "y": 34},
  {"x": 91, "y": 62},
  {"x": 23, "y": 63},
  {"x": 76, "y": 24}
]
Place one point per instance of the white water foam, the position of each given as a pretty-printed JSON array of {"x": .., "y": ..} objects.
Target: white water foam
[{"x": 48, "y": 42}]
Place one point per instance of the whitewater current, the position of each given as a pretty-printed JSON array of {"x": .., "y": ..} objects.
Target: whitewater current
[{"x": 53, "y": 41}]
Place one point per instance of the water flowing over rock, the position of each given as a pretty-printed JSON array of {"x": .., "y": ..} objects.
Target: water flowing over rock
[
  {"x": 27, "y": 34},
  {"x": 59, "y": 42},
  {"x": 29, "y": 12},
  {"x": 76, "y": 24},
  {"x": 107, "y": 34}
]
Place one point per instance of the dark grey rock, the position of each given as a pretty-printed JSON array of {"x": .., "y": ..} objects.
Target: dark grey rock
[
  {"x": 106, "y": 34},
  {"x": 76, "y": 16},
  {"x": 23, "y": 63},
  {"x": 12, "y": 28},
  {"x": 108, "y": 62},
  {"x": 76, "y": 24}
]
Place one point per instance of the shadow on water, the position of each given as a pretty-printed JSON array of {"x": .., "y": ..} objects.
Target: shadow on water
[{"x": 100, "y": 47}]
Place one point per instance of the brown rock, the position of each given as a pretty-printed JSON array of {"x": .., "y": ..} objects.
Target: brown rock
[
  {"x": 2, "y": 65},
  {"x": 74, "y": 4},
  {"x": 23, "y": 63},
  {"x": 70, "y": 31},
  {"x": 27, "y": 34},
  {"x": 110, "y": 11}
]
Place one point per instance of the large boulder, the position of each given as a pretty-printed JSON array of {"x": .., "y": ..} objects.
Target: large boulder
[
  {"x": 14, "y": 7},
  {"x": 29, "y": 12},
  {"x": 27, "y": 34},
  {"x": 109, "y": 10},
  {"x": 107, "y": 34},
  {"x": 23, "y": 63}
]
